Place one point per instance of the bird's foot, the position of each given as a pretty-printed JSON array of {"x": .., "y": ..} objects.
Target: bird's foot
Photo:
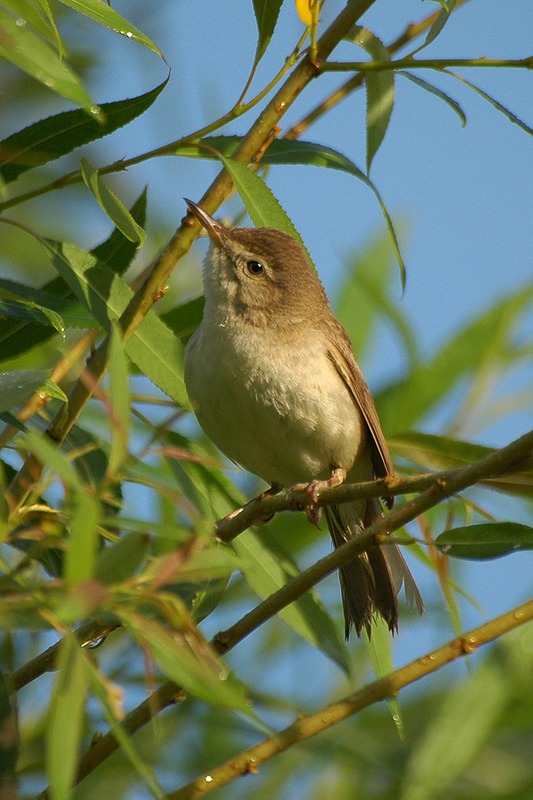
[{"x": 313, "y": 490}]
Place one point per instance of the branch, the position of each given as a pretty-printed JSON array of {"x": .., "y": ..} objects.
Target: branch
[
  {"x": 444, "y": 484},
  {"x": 429, "y": 63},
  {"x": 168, "y": 693},
  {"x": 313, "y": 724}
]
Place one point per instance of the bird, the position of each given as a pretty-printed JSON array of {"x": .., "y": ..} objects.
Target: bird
[{"x": 273, "y": 380}]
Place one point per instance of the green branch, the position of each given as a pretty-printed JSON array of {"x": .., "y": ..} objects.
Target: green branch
[{"x": 429, "y": 63}]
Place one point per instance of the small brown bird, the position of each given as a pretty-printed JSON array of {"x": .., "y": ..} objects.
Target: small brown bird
[{"x": 273, "y": 380}]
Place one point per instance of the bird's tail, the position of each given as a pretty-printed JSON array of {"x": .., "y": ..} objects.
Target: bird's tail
[{"x": 371, "y": 582}]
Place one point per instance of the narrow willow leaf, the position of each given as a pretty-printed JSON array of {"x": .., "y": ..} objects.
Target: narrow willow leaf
[
  {"x": 42, "y": 23},
  {"x": 188, "y": 661},
  {"x": 83, "y": 538},
  {"x": 54, "y": 390},
  {"x": 119, "y": 396},
  {"x": 266, "y": 15},
  {"x": 10, "y": 303},
  {"x": 429, "y": 87},
  {"x": 18, "y": 385},
  {"x": 379, "y": 647},
  {"x": 58, "y": 135},
  {"x": 408, "y": 400},
  {"x": 153, "y": 347},
  {"x": 494, "y": 103},
  {"x": 9, "y": 743},
  {"x": 107, "y": 693},
  {"x": 486, "y": 541},
  {"x": 119, "y": 562},
  {"x": 110, "y": 203},
  {"x": 263, "y": 207},
  {"x": 441, "y": 20},
  {"x": 65, "y": 723},
  {"x": 104, "y": 14},
  {"x": 379, "y": 91},
  {"x": 184, "y": 319},
  {"x": 33, "y": 55},
  {"x": 453, "y": 741},
  {"x": 266, "y": 569}
]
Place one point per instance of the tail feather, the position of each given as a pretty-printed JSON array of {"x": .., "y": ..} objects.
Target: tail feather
[{"x": 371, "y": 582}]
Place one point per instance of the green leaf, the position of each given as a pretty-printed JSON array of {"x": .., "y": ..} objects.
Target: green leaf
[
  {"x": 83, "y": 539},
  {"x": 184, "y": 319},
  {"x": 110, "y": 203},
  {"x": 379, "y": 648},
  {"x": 116, "y": 252},
  {"x": 486, "y": 540},
  {"x": 264, "y": 209},
  {"x": 407, "y": 401},
  {"x": 266, "y": 15},
  {"x": 451, "y": 739},
  {"x": 58, "y": 135},
  {"x": 30, "y": 53},
  {"x": 119, "y": 562},
  {"x": 441, "y": 20},
  {"x": 106, "y": 693},
  {"x": 494, "y": 103},
  {"x": 285, "y": 151},
  {"x": 189, "y": 661},
  {"x": 379, "y": 91},
  {"x": 266, "y": 569},
  {"x": 65, "y": 720},
  {"x": 12, "y": 304},
  {"x": 119, "y": 396},
  {"x": 38, "y": 18},
  {"x": 153, "y": 347},
  {"x": 101, "y": 12},
  {"x": 18, "y": 385},
  {"x": 428, "y": 87}
]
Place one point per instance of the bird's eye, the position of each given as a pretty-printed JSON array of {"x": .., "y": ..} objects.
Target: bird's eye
[{"x": 254, "y": 267}]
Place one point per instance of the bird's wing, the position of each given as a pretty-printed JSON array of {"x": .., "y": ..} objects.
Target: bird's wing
[{"x": 341, "y": 354}]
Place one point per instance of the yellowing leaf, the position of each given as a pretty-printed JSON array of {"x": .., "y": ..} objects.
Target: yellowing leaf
[{"x": 303, "y": 7}]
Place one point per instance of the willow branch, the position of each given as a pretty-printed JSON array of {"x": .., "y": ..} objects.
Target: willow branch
[
  {"x": 307, "y": 726},
  {"x": 430, "y": 63}
]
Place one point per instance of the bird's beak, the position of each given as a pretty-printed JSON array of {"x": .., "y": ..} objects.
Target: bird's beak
[{"x": 215, "y": 230}]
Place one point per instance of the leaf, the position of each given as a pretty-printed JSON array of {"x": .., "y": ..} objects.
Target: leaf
[
  {"x": 119, "y": 396},
  {"x": 153, "y": 347},
  {"x": 58, "y": 135},
  {"x": 116, "y": 252},
  {"x": 65, "y": 719},
  {"x": 403, "y": 404},
  {"x": 441, "y": 453},
  {"x": 494, "y": 103},
  {"x": 184, "y": 319},
  {"x": 441, "y": 20},
  {"x": 264, "y": 209},
  {"x": 101, "y": 12},
  {"x": 110, "y": 697},
  {"x": 113, "y": 207},
  {"x": 379, "y": 648},
  {"x": 379, "y": 91},
  {"x": 33, "y": 55},
  {"x": 285, "y": 151},
  {"x": 486, "y": 540},
  {"x": 85, "y": 514},
  {"x": 18, "y": 385},
  {"x": 304, "y": 11},
  {"x": 456, "y": 732},
  {"x": 18, "y": 306},
  {"x": 119, "y": 562},
  {"x": 189, "y": 661},
  {"x": 266, "y": 569},
  {"x": 429, "y": 87},
  {"x": 266, "y": 15}
]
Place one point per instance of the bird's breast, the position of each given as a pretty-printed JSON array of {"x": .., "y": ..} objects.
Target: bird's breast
[{"x": 278, "y": 408}]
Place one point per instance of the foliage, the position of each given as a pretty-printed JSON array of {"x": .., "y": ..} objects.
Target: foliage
[{"x": 111, "y": 494}]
